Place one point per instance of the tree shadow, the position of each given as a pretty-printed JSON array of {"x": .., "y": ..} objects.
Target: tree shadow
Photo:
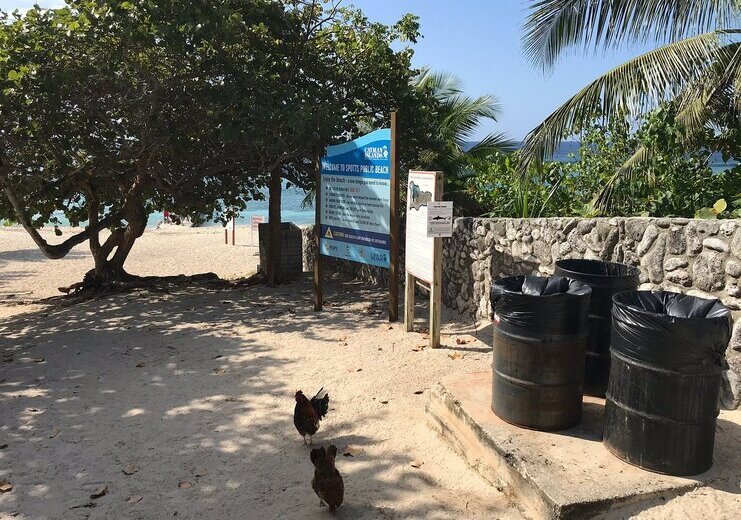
[
  {"x": 33, "y": 255},
  {"x": 191, "y": 392}
]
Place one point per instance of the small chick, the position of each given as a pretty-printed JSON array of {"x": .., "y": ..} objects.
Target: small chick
[
  {"x": 307, "y": 414},
  {"x": 327, "y": 482}
]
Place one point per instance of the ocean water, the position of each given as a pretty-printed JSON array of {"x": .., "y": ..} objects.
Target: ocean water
[{"x": 292, "y": 198}]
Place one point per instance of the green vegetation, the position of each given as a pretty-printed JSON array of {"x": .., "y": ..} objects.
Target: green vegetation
[
  {"x": 696, "y": 69},
  {"x": 672, "y": 181}
]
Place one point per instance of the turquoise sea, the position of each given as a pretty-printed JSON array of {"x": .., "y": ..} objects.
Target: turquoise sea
[{"x": 292, "y": 198}]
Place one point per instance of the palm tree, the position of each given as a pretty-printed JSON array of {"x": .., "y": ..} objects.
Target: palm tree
[
  {"x": 454, "y": 117},
  {"x": 696, "y": 68}
]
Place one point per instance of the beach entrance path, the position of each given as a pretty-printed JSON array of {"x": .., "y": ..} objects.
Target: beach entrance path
[{"x": 182, "y": 403}]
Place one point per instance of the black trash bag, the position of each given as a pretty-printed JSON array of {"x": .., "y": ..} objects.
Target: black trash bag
[
  {"x": 541, "y": 306},
  {"x": 671, "y": 330}
]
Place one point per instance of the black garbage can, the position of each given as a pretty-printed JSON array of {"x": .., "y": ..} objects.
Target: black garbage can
[
  {"x": 662, "y": 400},
  {"x": 540, "y": 336},
  {"x": 606, "y": 279}
]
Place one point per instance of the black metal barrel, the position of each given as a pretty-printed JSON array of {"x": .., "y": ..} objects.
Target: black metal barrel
[
  {"x": 606, "y": 279},
  {"x": 662, "y": 400},
  {"x": 540, "y": 335}
]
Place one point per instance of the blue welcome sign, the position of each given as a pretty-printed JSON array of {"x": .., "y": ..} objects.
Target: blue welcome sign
[{"x": 356, "y": 199}]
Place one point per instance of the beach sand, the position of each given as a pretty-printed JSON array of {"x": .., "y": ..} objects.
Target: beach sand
[
  {"x": 181, "y": 403},
  {"x": 173, "y": 250}
]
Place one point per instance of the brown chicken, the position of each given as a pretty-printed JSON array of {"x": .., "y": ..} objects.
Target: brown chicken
[
  {"x": 307, "y": 414},
  {"x": 327, "y": 482}
]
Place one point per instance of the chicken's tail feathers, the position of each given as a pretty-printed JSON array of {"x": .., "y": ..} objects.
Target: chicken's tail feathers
[
  {"x": 321, "y": 394},
  {"x": 320, "y": 402}
]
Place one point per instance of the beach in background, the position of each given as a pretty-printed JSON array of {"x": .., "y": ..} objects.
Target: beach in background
[{"x": 294, "y": 210}]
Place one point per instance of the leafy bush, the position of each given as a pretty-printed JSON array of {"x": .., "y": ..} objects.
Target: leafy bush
[{"x": 672, "y": 182}]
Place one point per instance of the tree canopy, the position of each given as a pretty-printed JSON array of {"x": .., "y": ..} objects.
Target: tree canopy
[{"x": 110, "y": 110}]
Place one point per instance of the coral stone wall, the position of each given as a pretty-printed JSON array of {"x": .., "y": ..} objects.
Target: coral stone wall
[{"x": 698, "y": 257}]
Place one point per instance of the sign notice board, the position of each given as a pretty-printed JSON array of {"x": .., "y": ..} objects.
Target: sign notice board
[
  {"x": 255, "y": 221},
  {"x": 355, "y": 200},
  {"x": 421, "y": 192},
  {"x": 440, "y": 219}
]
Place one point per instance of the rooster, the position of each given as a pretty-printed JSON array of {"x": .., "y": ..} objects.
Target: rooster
[
  {"x": 327, "y": 482},
  {"x": 307, "y": 414}
]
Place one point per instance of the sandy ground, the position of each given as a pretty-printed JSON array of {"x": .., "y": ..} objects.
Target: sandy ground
[
  {"x": 181, "y": 403},
  {"x": 26, "y": 273}
]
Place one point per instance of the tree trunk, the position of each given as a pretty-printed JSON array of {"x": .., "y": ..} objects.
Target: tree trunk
[
  {"x": 273, "y": 274},
  {"x": 110, "y": 269}
]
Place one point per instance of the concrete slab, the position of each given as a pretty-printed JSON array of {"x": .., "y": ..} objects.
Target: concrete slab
[{"x": 567, "y": 474}]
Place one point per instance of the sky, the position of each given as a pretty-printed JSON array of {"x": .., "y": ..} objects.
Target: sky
[{"x": 478, "y": 41}]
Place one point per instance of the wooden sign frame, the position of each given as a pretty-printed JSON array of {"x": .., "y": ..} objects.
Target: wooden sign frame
[{"x": 433, "y": 286}]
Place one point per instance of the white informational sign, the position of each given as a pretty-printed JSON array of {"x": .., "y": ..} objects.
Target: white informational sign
[
  {"x": 255, "y": 221},
  {"x": 419, "y": 249},
  {"x": 440, "y": 219},
  {"x": 232, "y": 224},
  {"x": 355, "y": 200}
]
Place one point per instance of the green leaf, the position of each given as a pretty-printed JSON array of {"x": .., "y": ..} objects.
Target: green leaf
[{"x": 706, "y": 213}]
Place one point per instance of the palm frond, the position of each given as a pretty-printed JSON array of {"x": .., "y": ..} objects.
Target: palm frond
[
  {"x": 555, "y": 25},
  {"x": 630, "y": 88},
  {"x": 697, "y": 107},
  {"x": 462, "y": 115},
  {"x": 603, "y": 199},
  {"x": 442, "y": 86},
  {"x": 493, "y": 143}
]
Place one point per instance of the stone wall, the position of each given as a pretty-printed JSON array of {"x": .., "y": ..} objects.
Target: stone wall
[{"x": 699, "y": 257}]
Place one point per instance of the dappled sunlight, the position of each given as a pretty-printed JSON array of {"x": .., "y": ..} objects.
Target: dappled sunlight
[
  {"x": 197, "y": 393},
  {"x": 134, "y": 412}
]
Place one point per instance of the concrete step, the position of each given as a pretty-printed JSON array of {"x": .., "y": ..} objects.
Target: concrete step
[{"x": 567, "y": 474}]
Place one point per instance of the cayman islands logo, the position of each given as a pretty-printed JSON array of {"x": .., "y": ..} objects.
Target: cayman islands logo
[{"x": 375, "y": 153}]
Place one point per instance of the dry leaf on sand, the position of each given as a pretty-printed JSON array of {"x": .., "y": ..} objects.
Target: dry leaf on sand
[
  {"x": 102, "y": 490},
  {"x": 351, "y": 451},
  {"x": 417, "y": 463},
  {"x": 185, "y": 485},
  {"x": 130, "y": 469},
  {"x": 133, "y": 499},
  {"x": 5, "y": 486}
]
